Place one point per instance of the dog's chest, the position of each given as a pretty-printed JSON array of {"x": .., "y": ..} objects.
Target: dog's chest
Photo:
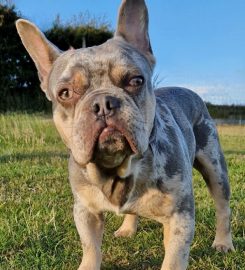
[{"x": 143, "y": 200}]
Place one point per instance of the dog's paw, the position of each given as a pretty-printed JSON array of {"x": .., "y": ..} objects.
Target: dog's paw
[
  {"x": 121, "y": 232},
  {"x": 223, "y": 247}
]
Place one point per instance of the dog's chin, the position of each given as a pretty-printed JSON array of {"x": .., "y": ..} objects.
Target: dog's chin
[{"x": 111, "y": 148}]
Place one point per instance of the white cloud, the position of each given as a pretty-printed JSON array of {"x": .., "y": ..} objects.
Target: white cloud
[
  {"x": 214, "y": 90},
  {"x": 218, "y": 93}
]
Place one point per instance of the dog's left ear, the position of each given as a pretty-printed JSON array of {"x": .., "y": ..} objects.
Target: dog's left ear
[{"x": 133, "y": 26}]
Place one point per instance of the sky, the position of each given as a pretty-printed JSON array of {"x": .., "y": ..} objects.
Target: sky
[{"x": 198, "y": 44}]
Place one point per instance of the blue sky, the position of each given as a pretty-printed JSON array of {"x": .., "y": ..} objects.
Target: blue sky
[{"x": 199, "y": 44}]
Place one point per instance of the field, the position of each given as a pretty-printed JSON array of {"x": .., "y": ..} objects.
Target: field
[{"x": 36, "y": 224}]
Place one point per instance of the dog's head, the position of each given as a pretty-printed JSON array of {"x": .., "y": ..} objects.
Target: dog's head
[{"x": 103, "y": 101}]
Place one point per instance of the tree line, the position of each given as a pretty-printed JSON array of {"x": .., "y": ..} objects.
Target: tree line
[
  {"x": 19, "y": 84},
  {"x": 235, "y": 112}
]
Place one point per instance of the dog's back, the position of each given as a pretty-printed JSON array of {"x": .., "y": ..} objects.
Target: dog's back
[{"x": 182, "y": 102}]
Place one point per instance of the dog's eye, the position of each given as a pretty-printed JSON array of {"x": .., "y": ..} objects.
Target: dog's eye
[
  {"x": 65, "y": 94},
  {"x": 136, "y": 81}
]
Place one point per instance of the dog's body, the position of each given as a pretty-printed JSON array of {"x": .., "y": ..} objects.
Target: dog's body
[{"x": 132, "y": 148}]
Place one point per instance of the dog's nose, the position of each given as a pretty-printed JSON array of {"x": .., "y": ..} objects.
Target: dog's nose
[{"x": 105, "y": 105}]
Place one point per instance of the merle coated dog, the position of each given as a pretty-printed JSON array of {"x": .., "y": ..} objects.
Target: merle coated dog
[{"x": 132, "y": 148}]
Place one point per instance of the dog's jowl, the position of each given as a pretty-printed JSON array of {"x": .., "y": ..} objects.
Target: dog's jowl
[{"x": 132, "y": 148}]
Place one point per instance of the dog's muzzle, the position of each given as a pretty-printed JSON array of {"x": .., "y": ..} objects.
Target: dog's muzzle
[
  {"x": 112, "y": 146},
  {"x": 105, "y": 136}
]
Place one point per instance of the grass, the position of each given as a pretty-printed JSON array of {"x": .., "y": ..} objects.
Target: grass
[{"x": 36, "y": 224}]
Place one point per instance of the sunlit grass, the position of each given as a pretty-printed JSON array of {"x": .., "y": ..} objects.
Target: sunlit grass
[{"x": 36, "y": 224}]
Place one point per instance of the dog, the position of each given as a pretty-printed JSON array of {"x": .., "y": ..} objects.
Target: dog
[{"x": 132, "y": 147}]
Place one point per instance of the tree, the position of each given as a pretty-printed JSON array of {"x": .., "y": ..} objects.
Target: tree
[
  {"x": 19, "y": 83},
  {"x": 18, "y": 77},
  {"x": 82, "y": 31}
]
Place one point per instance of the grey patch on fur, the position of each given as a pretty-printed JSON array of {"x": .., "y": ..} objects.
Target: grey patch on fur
[
  {"x": 160, "y": 185},
  {"x": 225, "y": 182},
  {"x": 214, "y": 162},
  {"x": 172, "y": 166},
  {"x": 222, "y": 162},
  {"x": 186, "y": 205},
  {"x": 203, "y": 132},
  {"x": 225, "y": 187}
]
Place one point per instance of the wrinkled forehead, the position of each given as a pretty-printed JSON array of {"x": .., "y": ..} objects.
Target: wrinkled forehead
[{"x": 98, "y": 61}]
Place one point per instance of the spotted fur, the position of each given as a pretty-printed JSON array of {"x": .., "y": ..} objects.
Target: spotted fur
[{"x": 161, "y": 135}]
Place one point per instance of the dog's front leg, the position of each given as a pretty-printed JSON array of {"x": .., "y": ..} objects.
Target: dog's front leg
[
  {"x": 178, "y": 235},
  {"x": 90, "y": 228}
]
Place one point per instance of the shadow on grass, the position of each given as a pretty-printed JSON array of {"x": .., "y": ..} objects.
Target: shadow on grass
[
  {"x": 239, "y": 243},
  {"x": 235, "y": 152},
  {"x": 148, "y": 263},
  {"x": 31, "y": 156}
]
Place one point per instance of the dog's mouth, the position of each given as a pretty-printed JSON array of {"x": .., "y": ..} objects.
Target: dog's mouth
[
  {"x": 112, "y": 147},
  {"x": 106, "y": 143}
]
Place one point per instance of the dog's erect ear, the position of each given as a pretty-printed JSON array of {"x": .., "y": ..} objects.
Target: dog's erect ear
[
  {"x": 133, "y": 26},
  {"x": 42, "y": 51}
]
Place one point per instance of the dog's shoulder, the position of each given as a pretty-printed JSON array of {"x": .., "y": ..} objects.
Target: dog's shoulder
[
  {"x": 176, "y": 93},
  {"x": 181, "y": 103},
  {"x": 178, "y": 97},
  {"x": 179, "y": 112},
  {"x": 181, "y": 109}
]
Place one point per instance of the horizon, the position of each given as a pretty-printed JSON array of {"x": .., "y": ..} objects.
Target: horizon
[{"x": 200, "y": 46}]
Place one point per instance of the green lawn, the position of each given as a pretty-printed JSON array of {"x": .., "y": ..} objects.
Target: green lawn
[{"x": 36, "y": 224}]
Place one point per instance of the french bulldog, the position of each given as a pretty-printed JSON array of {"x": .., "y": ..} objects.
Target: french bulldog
[{"x": 132, "y": 148}]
